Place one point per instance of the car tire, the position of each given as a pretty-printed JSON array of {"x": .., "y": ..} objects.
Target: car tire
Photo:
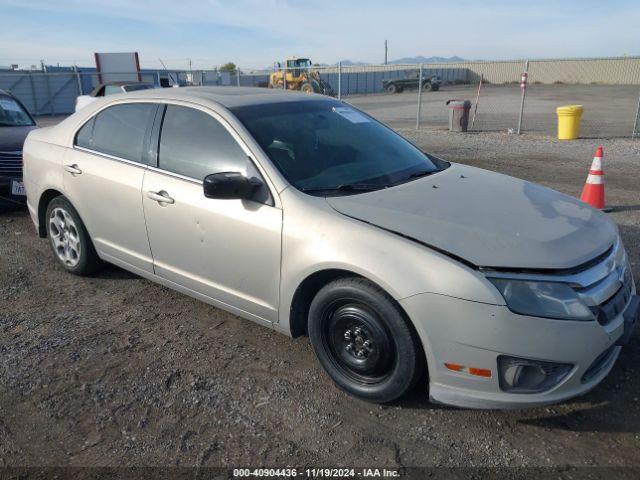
[
  {"x": 364, "y": 341},
  {"x": 70, "y": 242},
  {"x": 392, "y": 88}
]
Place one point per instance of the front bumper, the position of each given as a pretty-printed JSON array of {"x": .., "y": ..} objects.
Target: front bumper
[
  {"x": 474, "y": 334},
  {"x": 8, "y": 198}
]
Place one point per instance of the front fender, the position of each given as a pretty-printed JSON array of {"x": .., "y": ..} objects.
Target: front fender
[{"x": 315, "y": 238}]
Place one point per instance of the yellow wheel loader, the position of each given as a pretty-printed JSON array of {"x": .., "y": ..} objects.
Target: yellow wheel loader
[{"x": 298, "y": 75}]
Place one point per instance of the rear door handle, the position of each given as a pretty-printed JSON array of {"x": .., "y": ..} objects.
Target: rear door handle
[
  {"x": 160, "y": 197},
  {"x": 73, "y": 169}
]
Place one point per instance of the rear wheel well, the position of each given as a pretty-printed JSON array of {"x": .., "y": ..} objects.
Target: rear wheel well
[{"x": 45, "y": 199}]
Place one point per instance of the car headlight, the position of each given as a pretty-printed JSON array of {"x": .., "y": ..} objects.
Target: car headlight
[{"x": 542, "y": 299}]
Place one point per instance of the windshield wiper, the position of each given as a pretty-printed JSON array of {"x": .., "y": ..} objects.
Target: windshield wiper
[
  {"x": 421, "y": 173},
  {"x": 418, "y": 174},
  {"x": 346, "y": 187}
]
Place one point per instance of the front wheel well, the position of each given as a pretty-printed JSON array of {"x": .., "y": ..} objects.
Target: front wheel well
[
  {"x": 305, "y": 294},
  {"x": 45, "y": 199},
  {"x": 309, "y": 288}
]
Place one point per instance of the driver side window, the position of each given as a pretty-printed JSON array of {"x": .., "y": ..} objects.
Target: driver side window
[{"x": 195, "y": 144}]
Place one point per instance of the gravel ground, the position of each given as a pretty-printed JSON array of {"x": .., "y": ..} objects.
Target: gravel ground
[
  {"x": 114, "y": 370},
  {"x": 609, "y": 110}
]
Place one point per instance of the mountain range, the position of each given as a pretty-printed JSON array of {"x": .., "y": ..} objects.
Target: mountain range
[{"x": 412, "y": 60}]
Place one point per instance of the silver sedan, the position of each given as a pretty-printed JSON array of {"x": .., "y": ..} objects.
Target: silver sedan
[{"x": 305, "y": 215}]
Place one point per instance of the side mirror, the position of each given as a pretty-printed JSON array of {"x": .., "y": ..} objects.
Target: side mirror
[{"x": 230, "y": 185}]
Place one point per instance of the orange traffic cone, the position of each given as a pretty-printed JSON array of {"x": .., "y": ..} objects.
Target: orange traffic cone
[{"x": 593, "y": 192}]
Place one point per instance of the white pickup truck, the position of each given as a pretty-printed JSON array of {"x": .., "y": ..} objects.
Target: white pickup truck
[{"x": 110, "y": 88}]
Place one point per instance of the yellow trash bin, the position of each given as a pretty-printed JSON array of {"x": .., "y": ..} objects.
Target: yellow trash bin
[{"x": 569, "y": 121}]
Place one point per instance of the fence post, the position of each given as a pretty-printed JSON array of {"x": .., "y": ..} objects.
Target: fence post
[
  {"x": 339, "y": 80},
  {"x": 475, "y": 109},
  {"x": 78, "y": 80},
  {"x": 524, "y": 89},
  {"x": 418, "y": 113},
  {"x": 49, "y": 97},
  {"x": 636, "y": 124},
  {"x": 33, "y": 95}
]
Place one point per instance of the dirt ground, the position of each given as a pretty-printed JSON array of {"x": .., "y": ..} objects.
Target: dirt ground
[{"x": 114, "y": 370}]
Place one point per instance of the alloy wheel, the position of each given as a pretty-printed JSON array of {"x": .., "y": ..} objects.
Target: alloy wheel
[{"x": 64, "y": 237}]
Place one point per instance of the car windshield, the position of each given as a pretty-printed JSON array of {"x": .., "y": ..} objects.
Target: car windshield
[
  {"x": 134, "y": 87},
  {"x": 327, "y": 147},
  {"x": 12, "y": 114}
]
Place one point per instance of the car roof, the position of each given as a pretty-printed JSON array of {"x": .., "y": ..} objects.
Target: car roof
[
  {"x": 229, "y": 97},
  {"x": 120, "y": 83}
]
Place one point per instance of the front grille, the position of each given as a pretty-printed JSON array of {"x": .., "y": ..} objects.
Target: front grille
[
  {"x": 11, "y": 164},
  {"x": 615, "y": 305},
  {"x": 609, "y": 293}
]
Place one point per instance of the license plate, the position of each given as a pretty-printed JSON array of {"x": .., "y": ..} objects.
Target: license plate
[{"x": 17, "y": 188}]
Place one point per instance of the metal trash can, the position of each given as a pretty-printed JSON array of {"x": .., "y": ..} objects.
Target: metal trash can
[{"x": 458, "y": 115}]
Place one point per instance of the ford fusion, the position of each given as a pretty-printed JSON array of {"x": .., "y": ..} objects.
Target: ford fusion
[{"x": 305, "y": 215}]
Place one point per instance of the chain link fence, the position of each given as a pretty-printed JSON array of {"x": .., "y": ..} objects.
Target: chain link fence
[
  {"x": 608, "y": 89},
  {"x": 55, "y": 93}
]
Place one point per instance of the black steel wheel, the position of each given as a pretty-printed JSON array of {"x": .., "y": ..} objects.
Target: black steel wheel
[
  {"x": 363, "y": 340},
  {"x": 392, "y": 88},
  {"x": 360, "y": 345}
]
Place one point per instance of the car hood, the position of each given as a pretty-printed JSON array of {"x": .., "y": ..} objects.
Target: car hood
[
  {"x": 12, "y": 138},
  {"x": 488, "y": 219}
]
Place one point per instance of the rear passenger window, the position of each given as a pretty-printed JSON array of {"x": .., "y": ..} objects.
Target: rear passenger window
[
  {"x": 195, "y": 145},
  {"x": 119, "y": 130}
]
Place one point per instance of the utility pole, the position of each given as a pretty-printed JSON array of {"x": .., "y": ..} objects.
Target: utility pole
[{"x": 386, "y": 52}]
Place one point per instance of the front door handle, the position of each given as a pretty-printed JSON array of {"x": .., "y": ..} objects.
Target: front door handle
[
  {"x": 73, "y": 169},
  {"x": 160, "y": 197}
]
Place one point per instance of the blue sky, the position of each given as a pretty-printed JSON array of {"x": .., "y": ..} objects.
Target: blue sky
[{"x": 255, "y": 33}]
